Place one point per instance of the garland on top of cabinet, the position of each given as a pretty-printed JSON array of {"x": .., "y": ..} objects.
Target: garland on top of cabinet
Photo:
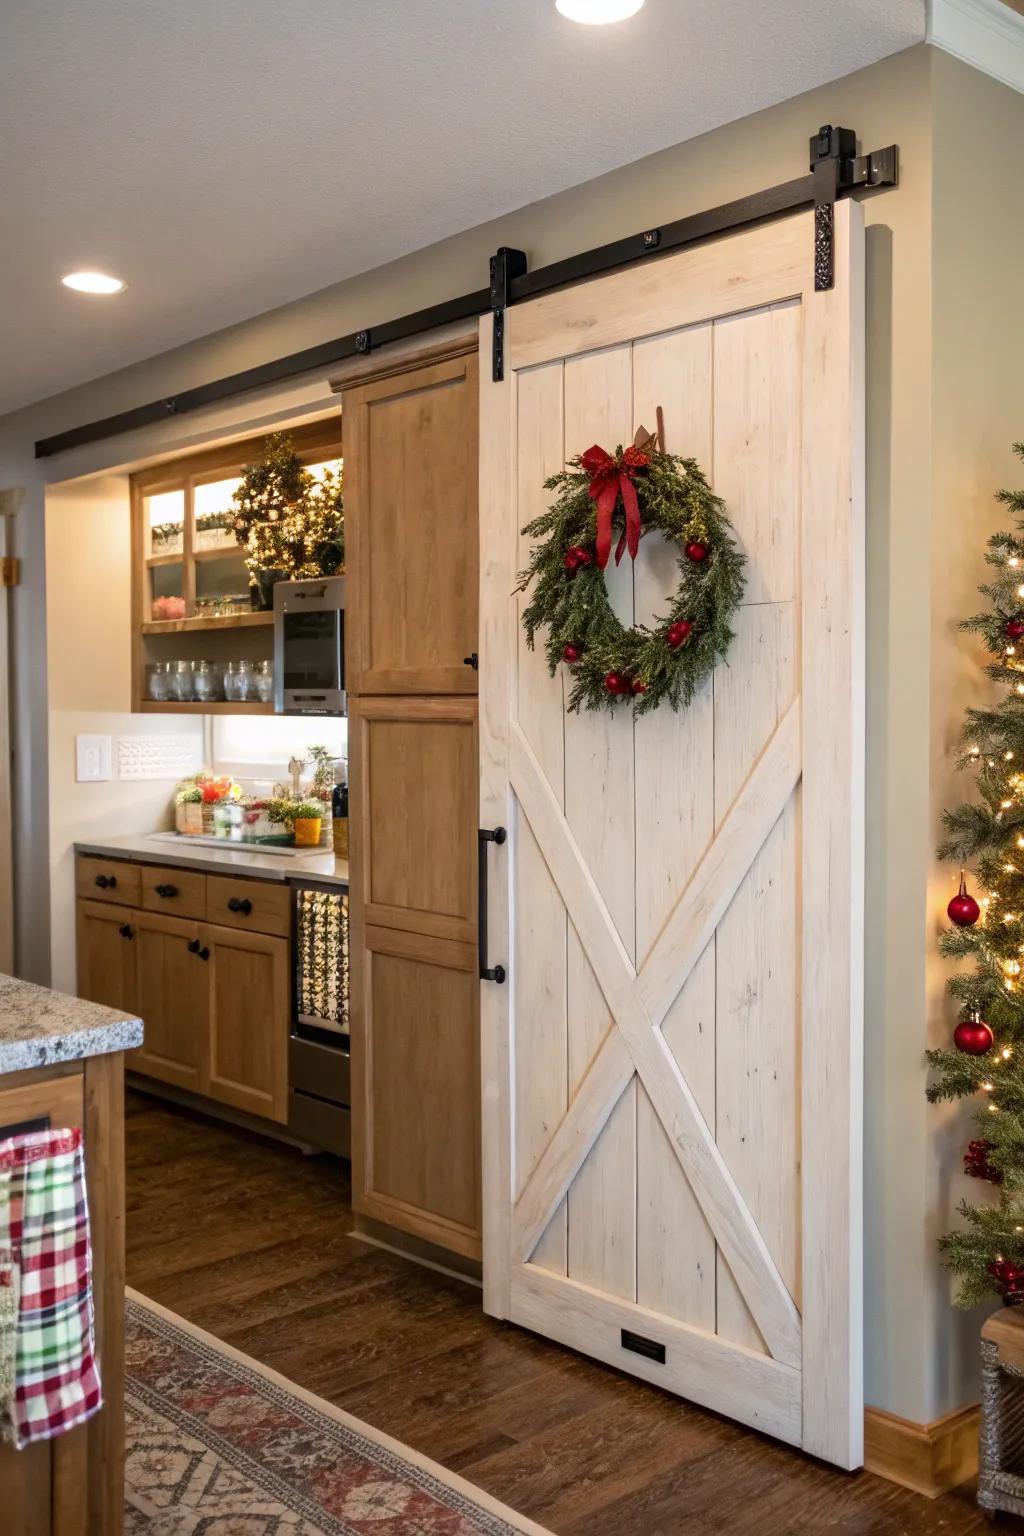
[{"x": 630, "y": 492}]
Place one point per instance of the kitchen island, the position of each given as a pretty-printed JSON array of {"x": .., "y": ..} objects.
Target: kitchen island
[{"x": 62, "y": 1064}]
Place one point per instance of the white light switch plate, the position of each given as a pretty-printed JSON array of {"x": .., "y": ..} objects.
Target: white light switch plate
[
  {"x": 158, "y": 757},
  {"x": 92, "y": 759}
]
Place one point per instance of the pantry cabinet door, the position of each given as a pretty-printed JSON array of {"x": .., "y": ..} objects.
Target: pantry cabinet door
[
  {"x": 173, "y": 1001},
  {"x": 411, "y": 530},
  {"x": 250, "y": 1018},
  {"x": 673, "y": 1074},
  {"x": 105, "y": 940}
]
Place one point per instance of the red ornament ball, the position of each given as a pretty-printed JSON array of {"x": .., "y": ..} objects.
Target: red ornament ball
[
  {"x": 638, "y": 685},
  {"x": 569, "y": 560},
  {"x": 616, "y": 683},
  {"x": 696, "y": 551},
  {"x": 977, "y": 1165},
  {"x": 575, "y": 556},
  {"x": 963, "y": 910},
  {"x": 1009, "y": 1280},
  {"x": 973, "y": 1037},
  {"x": 678, "y": 632},
  {"x": 571, "y": 653},
  {"x": 1013, "y": 629}
]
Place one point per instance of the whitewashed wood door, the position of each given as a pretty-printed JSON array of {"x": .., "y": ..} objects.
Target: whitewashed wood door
[{"x": 672, "y": 1074}]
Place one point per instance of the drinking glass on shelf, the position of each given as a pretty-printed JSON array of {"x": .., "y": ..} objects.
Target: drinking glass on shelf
[
  {"x": 159, "y": 680},
  {"x": 204, "y": 682},
  {"x": 264, "y": 680},
  {"x": 238, "y": 682},
  {"x": 179, "y": 681}
]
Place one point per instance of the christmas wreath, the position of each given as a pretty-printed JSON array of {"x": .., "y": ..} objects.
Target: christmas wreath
[{"x": 629, "y": 493}]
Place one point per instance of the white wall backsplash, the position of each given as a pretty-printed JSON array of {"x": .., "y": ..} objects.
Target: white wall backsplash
[
  {"x": 159, "y": 757},
  {"x": 257, "y": 747}
]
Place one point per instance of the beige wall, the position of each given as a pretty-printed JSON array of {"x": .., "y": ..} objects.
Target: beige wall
[{"x": 902, "y": 99}]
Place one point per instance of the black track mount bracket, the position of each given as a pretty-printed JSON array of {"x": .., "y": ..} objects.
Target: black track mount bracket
[
  {"x": 836, "y": 169},
  {"x": 506, "y": 265}
]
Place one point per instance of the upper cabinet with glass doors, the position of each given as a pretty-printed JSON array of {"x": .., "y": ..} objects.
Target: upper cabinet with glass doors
[{"x": 192, "y": 596}]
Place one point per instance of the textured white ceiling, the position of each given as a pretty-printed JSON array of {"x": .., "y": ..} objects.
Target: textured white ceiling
[{"x": 226, "y": 156}]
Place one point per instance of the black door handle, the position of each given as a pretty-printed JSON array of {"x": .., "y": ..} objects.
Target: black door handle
[
  {"x": 193, "y": 946},
  {"x": 484, "y": 836},
  {"x": 126, "y": 931},
  {"x": 106, "y": 882},
  {"x": 166, "y": 890},
  {"x": 240, "y": 904}
]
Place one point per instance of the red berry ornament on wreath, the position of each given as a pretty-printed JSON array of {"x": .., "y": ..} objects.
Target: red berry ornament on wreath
[
  {"x": 614, "y": 500},
  {"x": 1014, "y": 628},
  {"x": 963, "y": 910}
]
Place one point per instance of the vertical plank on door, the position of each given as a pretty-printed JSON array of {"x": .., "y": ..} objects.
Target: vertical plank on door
[
  {"x": 599, "y": 788},
  {"x": 675, "y": 804},
  {"x": 542, "y": 1084},
  {"x": 757, "y": 442},
  {"x": 757, "y": 472},
  {"x": 758, "y": 1064}
]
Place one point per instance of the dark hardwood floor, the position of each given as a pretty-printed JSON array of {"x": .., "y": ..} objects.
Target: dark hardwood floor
[{"x": 251, "y": 1241}]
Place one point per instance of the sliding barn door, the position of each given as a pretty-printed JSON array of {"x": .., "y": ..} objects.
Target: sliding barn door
[{"x": 672, "y": 1072}]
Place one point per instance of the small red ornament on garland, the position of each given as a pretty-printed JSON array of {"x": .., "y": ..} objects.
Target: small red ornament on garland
[
  {"x": 576, "y": 556},
  {"x": 1013, "y": 629},
  {"x": 638, "y": 685},
  {"x": 977, "y": 1165},
  {"x": 1009, "y": 1280},
  {"x": 678, "y": 632},
  {"x": 963, "y": 910},
  {"x": 696, "y": 551},
  {"x": 973, "y": 1037},
  {"x": 616, "y": 683},
  {"x": 571, "y": 653}
]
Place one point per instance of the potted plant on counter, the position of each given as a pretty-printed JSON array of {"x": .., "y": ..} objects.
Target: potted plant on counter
[{"x": 307, "y": 818}]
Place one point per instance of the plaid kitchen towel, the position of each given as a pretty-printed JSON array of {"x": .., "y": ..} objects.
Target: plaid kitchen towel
[{"x": 44, "y": 1222}]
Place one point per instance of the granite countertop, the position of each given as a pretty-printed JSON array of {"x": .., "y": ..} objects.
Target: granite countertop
[
  {"x": 232, "y": 859},
  {"x": 39, "y": 1027}
]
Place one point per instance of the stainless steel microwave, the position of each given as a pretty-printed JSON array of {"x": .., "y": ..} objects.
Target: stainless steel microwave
[{"x": 309, "y": 647}]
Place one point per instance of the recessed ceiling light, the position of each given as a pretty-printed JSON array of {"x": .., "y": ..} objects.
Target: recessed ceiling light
[
  {"x": 596, "y": 13},
  {"x": 92, "y": 282}
]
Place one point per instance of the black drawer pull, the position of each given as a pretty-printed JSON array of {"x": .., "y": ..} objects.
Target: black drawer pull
[
  {"x": 166, "y": 890},
  {"x": 240, "y": 904},
  {"x": 487, "y": 972},
  {"x": 471, "y": 661},
  {"x": 126, "y": 931},
  {"x": 106, "y": 882}
]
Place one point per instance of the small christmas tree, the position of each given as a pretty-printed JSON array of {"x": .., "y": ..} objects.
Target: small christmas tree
[
  {"x": 987, "y": 1255},
  {"x": 287, "y": 520}
]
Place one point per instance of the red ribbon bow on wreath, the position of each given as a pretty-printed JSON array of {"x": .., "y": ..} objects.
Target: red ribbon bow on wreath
[{"x": 610, "y": 478}]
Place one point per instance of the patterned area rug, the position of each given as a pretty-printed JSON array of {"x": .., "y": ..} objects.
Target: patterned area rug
[{"x": 220, "y": 1446}]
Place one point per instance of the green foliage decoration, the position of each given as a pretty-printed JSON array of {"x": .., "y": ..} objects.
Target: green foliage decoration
[
  {"x": 286, "y": 519},
  {"x": 573, "y": 607},
  {"x": 987, "y": 832}
]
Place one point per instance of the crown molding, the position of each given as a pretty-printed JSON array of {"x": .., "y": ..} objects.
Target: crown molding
[{"x": 984, "y": 33}]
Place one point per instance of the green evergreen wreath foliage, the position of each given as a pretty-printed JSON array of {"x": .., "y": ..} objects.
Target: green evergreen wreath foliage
[{"x": 652, "y": 663}]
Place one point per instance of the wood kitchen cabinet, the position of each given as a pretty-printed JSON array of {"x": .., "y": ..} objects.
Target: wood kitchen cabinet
[
  {"x": 415, "y": 990},
  {"x": 215, "y": 997},
  {"x": 411, "y": 500}
]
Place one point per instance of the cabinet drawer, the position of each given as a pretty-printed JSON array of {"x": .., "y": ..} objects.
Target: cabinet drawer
[
  {"x": 178, "y": 892},
  {"x": 256, "y": 905},
  {"x": 108, "y": 880}
]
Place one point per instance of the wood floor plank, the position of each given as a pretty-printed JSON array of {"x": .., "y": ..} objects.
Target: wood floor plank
[{"x": 251, "y": 1240}]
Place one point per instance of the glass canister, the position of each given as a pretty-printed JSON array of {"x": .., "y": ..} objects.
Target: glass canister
[
  {"x": 179, "y": 682},
  {"x": 158, "y": 682},
  {"x": 204, "y": 682},
  {"x": 263, "y": 678}
]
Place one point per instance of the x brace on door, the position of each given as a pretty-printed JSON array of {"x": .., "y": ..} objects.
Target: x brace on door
[{"x": 639, "y": 1002}]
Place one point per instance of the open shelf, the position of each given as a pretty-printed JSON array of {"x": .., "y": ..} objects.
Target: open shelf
[
  {"x": 214, "y": 707},
  {"x": 202, "y": 621}
]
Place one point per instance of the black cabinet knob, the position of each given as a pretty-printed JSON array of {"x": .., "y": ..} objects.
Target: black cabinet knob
[
  {"x": 166, "y": 890},
  {"x": 240, "y": 904},
  {"x": 471, "y": 661},
  {"x": 126, "y": 931},
  {"x": 106, "y": 882},
  {"x": 193, "y": 946},
  {"x": 204, "y": 953}
]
